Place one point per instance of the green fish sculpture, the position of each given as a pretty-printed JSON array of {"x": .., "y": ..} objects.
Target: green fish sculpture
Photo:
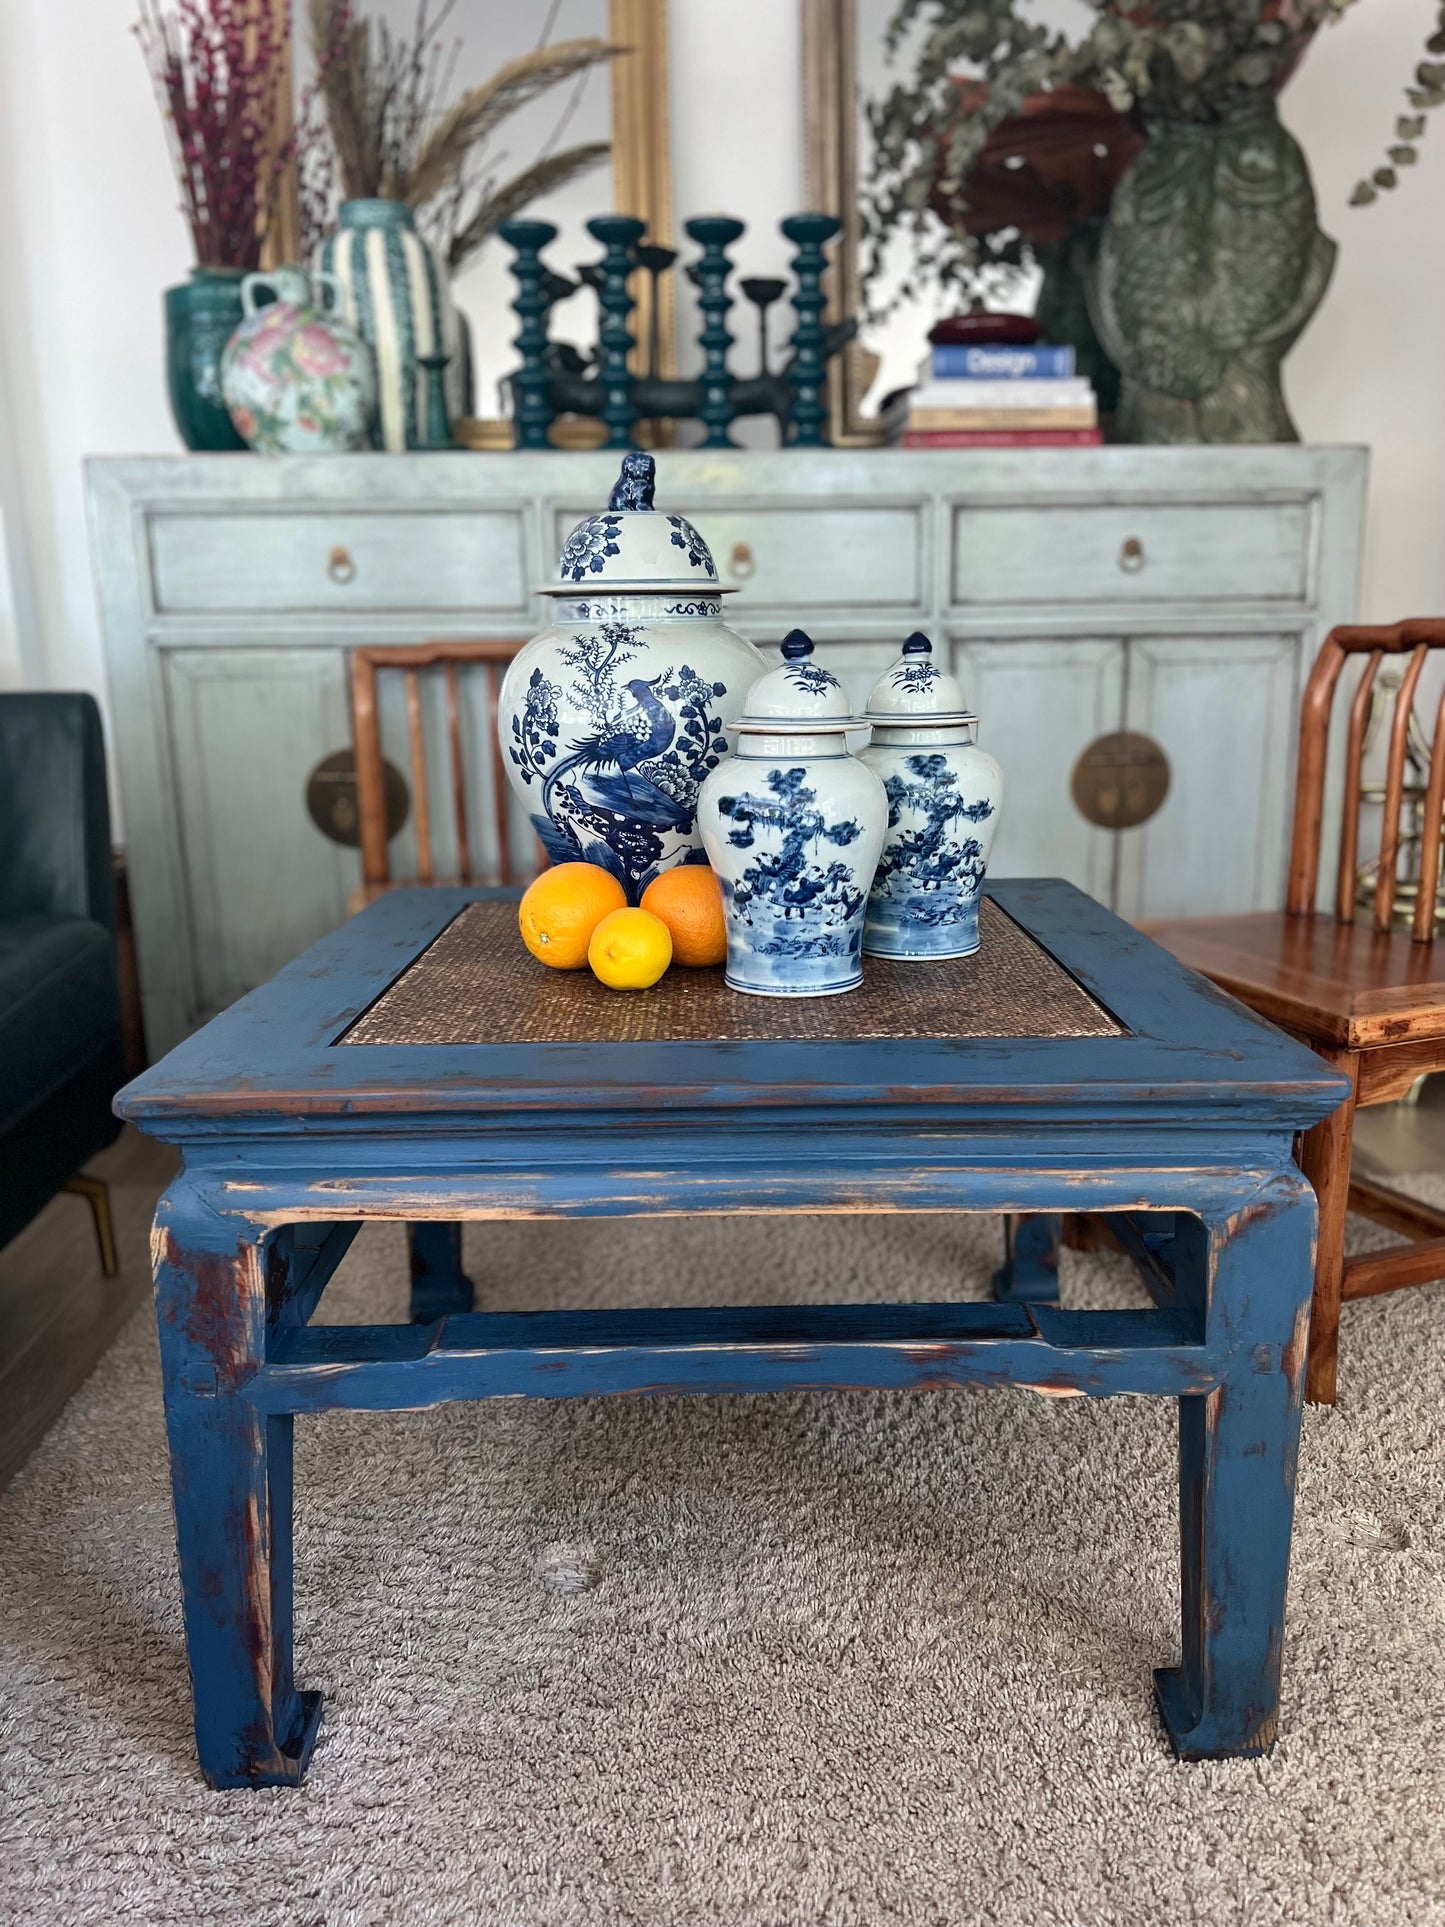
[{"x": 1211, "y": 264}]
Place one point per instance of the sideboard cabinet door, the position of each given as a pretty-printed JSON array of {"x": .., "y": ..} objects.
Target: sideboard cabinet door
[
  {"x": 246, "y": 728},
  {"x": 1224, "y": 711},
  {"x": 1069, "y": 585},
  {"x": 1042, "y": 703}
]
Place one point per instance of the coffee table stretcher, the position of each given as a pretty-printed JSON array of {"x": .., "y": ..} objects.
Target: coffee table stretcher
[{"x": 248, "y": 1235}]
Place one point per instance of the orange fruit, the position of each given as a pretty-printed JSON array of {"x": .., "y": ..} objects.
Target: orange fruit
[
  {"x": 561, "y": 909},
  {"x": 690, "y": 903},
  {"x": 630, "y": 949}
]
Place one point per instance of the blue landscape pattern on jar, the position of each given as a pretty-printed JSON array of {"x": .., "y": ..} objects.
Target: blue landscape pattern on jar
[
  {"x": 925, "y": 895},
  {"x": 623, "y": 794},
  {"x": 794, "y": 904}
]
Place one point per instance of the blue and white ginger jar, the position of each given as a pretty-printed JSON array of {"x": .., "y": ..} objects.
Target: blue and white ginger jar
[
  {"x": 944, "y": 795},
  {"x": 793, "y": 826},
  {"x": 611, "y": 718}
]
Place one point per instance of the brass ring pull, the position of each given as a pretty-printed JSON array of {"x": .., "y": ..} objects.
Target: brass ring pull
[
  {"x": 339, "y": 565},
  {"x": 1131, "y": 555},
  {"x": 741, "y": 562}
]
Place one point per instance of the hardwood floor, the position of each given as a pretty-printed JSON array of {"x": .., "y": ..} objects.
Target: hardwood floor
[{"x": 57, "y": 1312}]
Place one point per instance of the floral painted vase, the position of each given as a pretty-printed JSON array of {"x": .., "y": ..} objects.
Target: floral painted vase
[
  {"x": 793, "y": 826},
  {"x": 944, "y": 794},
  {"x": 296, "y": 379},
  {"x": 611, "y": 718}
]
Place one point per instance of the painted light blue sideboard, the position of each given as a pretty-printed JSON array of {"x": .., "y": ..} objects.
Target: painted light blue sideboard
[{"x": 1175, "y": 592}]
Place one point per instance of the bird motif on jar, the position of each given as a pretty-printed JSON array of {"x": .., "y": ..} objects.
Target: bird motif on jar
[{"x": 612, "y": 761}]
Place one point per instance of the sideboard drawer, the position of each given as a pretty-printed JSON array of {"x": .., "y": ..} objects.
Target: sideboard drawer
[
  {"x": 1018, "y": 553},
  {"x": 293, "y": 560},
  {"x": 805, "y": 558}
]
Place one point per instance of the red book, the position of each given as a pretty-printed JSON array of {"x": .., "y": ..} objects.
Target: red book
[{"x": 1002, "y": 437}]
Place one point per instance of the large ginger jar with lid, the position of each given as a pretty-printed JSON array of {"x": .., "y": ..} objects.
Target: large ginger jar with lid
[
  {"x": 611, "y": 718},
  {"x": 944, "y": 795},
  {"x": 793, "y": 826}
]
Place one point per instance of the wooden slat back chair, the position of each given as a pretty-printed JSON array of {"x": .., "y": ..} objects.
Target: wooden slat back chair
[
  {"x": 439, "y": 1285},
  {"x": 1366, "y": 993},
  {"x": 416, "y": 662}
]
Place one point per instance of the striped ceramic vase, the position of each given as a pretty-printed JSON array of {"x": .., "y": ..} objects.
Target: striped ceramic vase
[{"x": 395, "y": 295}]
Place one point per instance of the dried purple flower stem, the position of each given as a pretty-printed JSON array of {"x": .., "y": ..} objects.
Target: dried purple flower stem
[{"x": 218, "y": 68}]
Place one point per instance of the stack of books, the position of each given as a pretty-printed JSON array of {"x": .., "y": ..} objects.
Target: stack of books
[{"x": 1001, "y": 397}]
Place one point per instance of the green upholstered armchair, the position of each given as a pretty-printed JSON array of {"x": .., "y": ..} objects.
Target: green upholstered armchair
[{"x": 61, "y": 1058}]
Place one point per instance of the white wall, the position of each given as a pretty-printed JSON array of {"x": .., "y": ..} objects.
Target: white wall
[
  {"x": 1371, "y": 366},
  {"x": 90, "y": 236}
]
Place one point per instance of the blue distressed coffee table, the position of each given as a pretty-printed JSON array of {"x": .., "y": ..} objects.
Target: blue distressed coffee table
[{"x": 416, "y": 1065}]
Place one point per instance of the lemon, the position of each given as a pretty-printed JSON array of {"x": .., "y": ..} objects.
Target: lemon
[{"x": 630, "y": 949}]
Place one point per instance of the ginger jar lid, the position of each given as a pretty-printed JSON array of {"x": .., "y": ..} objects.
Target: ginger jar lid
[
  {"x": 798, "y": 698},
  {"x": 915, "y": 693},
  {"x": 630, "y": 547}
]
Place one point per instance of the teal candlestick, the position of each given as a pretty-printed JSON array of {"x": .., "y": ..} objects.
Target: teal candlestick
[
  {"x": 532, "y": 407},
  {"x": 809, "y": 232},
  {"x": 619, "y": 235},
  {"x": 438, "y": 423},
  {"x": 557, "y": 378},
  {"x": 714, "y": 232}
]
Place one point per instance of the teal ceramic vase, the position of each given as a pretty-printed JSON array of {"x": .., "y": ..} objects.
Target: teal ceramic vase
[
  {"x": 201, "y": 316},
  {"x": 394, "y": 293}
]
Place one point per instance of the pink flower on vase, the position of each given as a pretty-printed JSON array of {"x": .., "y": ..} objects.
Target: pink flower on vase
[
  {"x": 271, "y": 320},
  {"x": 245, "y": 423},
  {"x": 315, "y": 352}
]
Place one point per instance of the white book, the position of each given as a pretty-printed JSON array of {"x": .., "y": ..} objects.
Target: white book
[{"x": 1075, "y": 392}]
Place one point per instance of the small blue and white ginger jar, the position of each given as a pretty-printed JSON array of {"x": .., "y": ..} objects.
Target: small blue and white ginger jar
[
  {"x": 793, "y": 826},
  {"x": 944, "y": 795},
  {"x": 611, "y": 718}
]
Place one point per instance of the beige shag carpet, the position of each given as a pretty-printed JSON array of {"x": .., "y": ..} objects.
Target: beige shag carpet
[{"x": 848, "y": 1658}]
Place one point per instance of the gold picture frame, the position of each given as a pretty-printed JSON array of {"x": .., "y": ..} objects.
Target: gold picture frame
[
  {"x": 830, "y": 180},
  {"x": 641, "y": 156}
]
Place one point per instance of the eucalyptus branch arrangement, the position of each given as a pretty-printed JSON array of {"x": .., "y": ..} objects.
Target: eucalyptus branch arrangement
[
  {"x": 989, "y": 85},
  {"x": 220, "y": 69},
  {"x": 1425, "y": 91},
  {"x": 399, "y": 135}
]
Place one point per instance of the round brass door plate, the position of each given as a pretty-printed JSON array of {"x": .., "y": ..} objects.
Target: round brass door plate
[
  {"x": 331, "y": 798},
  {"x": 1120, "y": 780}
]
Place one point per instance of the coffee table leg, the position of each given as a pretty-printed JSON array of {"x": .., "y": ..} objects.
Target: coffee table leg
[
  {"x": 1029, "y": 1274},
  {"x": 231, "y": 1477},
  {"x": 438, "y": 1283},
  {"x": 1237, "y": 1453}
]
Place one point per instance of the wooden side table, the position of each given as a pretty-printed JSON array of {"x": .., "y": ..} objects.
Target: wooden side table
[{"x": 416, "y": 1065}]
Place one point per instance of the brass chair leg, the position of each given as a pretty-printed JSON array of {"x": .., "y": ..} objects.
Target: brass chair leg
[{"x": 96, "y": 1193}]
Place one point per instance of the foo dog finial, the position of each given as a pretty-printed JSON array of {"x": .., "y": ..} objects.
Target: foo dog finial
[{"x": 635, "y": 483}]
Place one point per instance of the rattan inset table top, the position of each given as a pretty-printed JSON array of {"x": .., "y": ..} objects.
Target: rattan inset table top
[{"x": 477, "y": 984}]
